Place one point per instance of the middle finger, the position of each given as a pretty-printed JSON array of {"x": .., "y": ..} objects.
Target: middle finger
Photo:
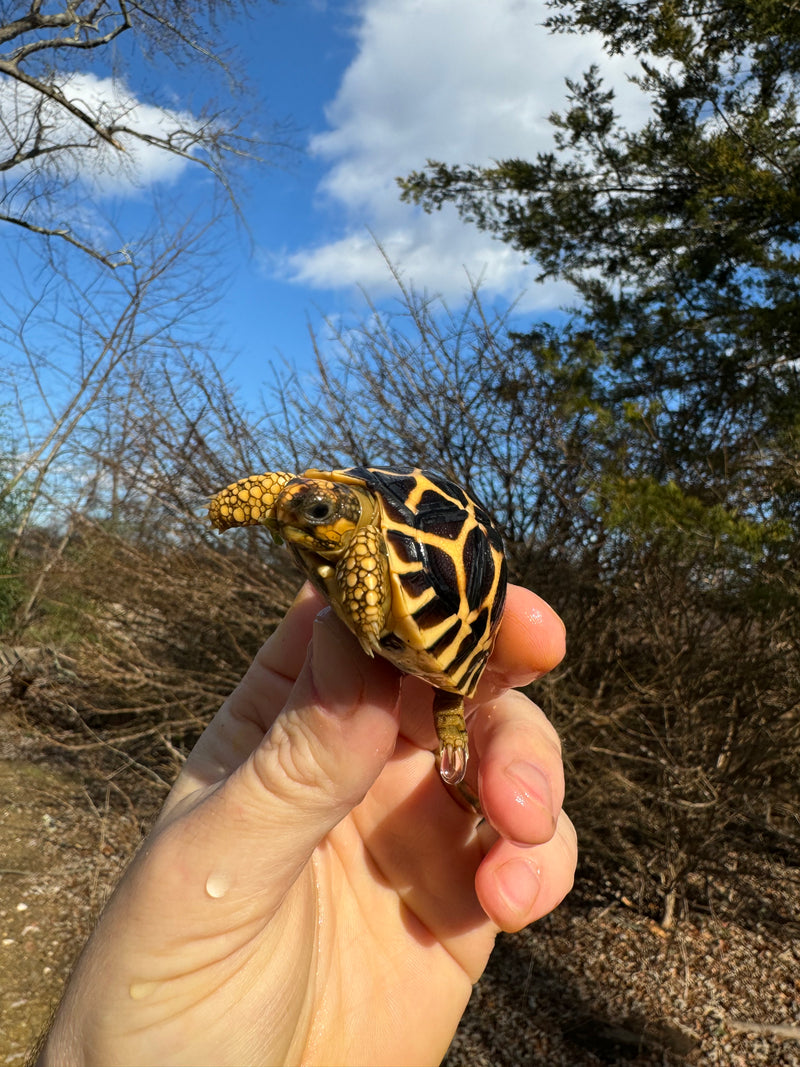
[{"x": 520, "y": 773}]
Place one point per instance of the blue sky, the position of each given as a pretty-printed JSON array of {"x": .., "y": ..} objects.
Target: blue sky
[{"x": 374, "y": 87}]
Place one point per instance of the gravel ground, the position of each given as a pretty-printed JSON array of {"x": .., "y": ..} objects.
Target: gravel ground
[
  {"x": 592, "y": 984},
  {"x": 60, "y": 854}
]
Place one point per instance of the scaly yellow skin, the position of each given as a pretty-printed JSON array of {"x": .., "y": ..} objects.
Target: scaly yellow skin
[
  {"x": 363, "y": 586},
  {"x": 248, "y": 502},
  {"x": 358, "y": 586}
]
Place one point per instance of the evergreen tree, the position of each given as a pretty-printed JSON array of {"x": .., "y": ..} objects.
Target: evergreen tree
[{"x": 682, "y": 239}]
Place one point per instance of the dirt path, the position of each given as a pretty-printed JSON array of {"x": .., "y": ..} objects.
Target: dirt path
[{"x": 59, "y": 855}]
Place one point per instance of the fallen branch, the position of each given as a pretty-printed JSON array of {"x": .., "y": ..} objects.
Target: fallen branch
[{"x": 741, "y": 1026}]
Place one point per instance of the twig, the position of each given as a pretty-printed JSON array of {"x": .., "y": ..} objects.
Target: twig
[{"x": 741, "y": 1026}]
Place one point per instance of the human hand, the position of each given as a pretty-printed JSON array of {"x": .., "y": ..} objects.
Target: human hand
[{"x": 311, "y": 892}]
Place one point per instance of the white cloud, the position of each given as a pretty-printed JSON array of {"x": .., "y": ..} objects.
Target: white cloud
[
  {"x": 458, "y": 81},
  {"x": 106, "y": 169},
  {"x": 438, "y": 253}
]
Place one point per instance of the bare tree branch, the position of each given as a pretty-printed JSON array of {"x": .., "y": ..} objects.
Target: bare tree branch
[
  {"x": 36, "y": 21},
  {"x": 64, "y": 234},
  {"x": 44, "y": 106}
]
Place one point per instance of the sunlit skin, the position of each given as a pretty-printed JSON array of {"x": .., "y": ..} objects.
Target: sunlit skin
[{"x": 311, "y": 892}]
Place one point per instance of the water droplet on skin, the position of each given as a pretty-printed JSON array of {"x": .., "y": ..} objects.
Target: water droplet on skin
[
  {"x": 453, "y": 764},
  {"x": 217, "y": 885},
  {"x": 140, "y": 990}
]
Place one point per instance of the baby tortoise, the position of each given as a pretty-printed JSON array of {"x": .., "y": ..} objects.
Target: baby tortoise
[{"x": 408, "y": 560}]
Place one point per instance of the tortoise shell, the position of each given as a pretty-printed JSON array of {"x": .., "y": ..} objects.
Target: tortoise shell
[
  {"x": 408, "y": 559},
  {"x": 449, "y": 575}
]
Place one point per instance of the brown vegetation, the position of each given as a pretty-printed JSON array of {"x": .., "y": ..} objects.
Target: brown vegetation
[{"x": 677, "y": 702}]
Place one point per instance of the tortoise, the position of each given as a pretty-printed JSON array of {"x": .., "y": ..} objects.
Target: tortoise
[{"x": 410, "y": 562}]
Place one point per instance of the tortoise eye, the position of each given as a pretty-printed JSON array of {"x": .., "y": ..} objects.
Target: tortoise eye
[
  {"x": 315, "y": 506},
  {"x": 320, "y": 511}
]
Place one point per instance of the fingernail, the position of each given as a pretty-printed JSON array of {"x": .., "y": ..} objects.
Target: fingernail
[
  {"x": 336, "y": 675},
  {"x": 531, "y": 785},
  {"x": 518, "y": 884}
]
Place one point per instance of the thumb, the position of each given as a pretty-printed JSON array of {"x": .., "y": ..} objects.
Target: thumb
[
  {"x": 255, "y": 833},
  {"x": 334, "y": 735}
]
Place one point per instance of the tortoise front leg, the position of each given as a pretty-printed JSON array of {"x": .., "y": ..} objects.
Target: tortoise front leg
[
  {"x": 362, "y": 578},
  {"x": 248, "y": 502}
]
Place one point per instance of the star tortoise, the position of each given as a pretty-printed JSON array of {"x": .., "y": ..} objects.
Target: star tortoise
[{"x": 410, "y": 562}]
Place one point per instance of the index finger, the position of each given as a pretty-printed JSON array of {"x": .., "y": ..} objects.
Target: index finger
[{"x": 530, "y": 642}]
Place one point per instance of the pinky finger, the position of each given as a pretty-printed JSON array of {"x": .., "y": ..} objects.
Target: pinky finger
[{"x": 517, "y": 886}]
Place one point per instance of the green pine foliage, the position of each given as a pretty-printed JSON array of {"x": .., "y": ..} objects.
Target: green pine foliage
[{"x": 681, "y": 236}]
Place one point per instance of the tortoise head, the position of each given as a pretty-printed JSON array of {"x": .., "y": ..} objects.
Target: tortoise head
[{"x": 317, "y": 515}]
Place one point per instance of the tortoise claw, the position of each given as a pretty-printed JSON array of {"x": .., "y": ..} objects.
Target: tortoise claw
[
  {"x": 453, "y": 763},
  {"x": 448, "y": 717}
]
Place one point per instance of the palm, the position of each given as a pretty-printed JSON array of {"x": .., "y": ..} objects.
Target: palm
[
  {"x": 384, "y": 913},
  {"x": 394, "y": 887}
]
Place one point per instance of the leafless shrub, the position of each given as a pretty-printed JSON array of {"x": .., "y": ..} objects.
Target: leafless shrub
[{"x": 108, "y": 534}]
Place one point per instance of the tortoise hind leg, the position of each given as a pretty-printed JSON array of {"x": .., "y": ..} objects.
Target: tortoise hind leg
[
  {"x": 448, "y": 717},
  {"x": 453, "y": 753}
]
